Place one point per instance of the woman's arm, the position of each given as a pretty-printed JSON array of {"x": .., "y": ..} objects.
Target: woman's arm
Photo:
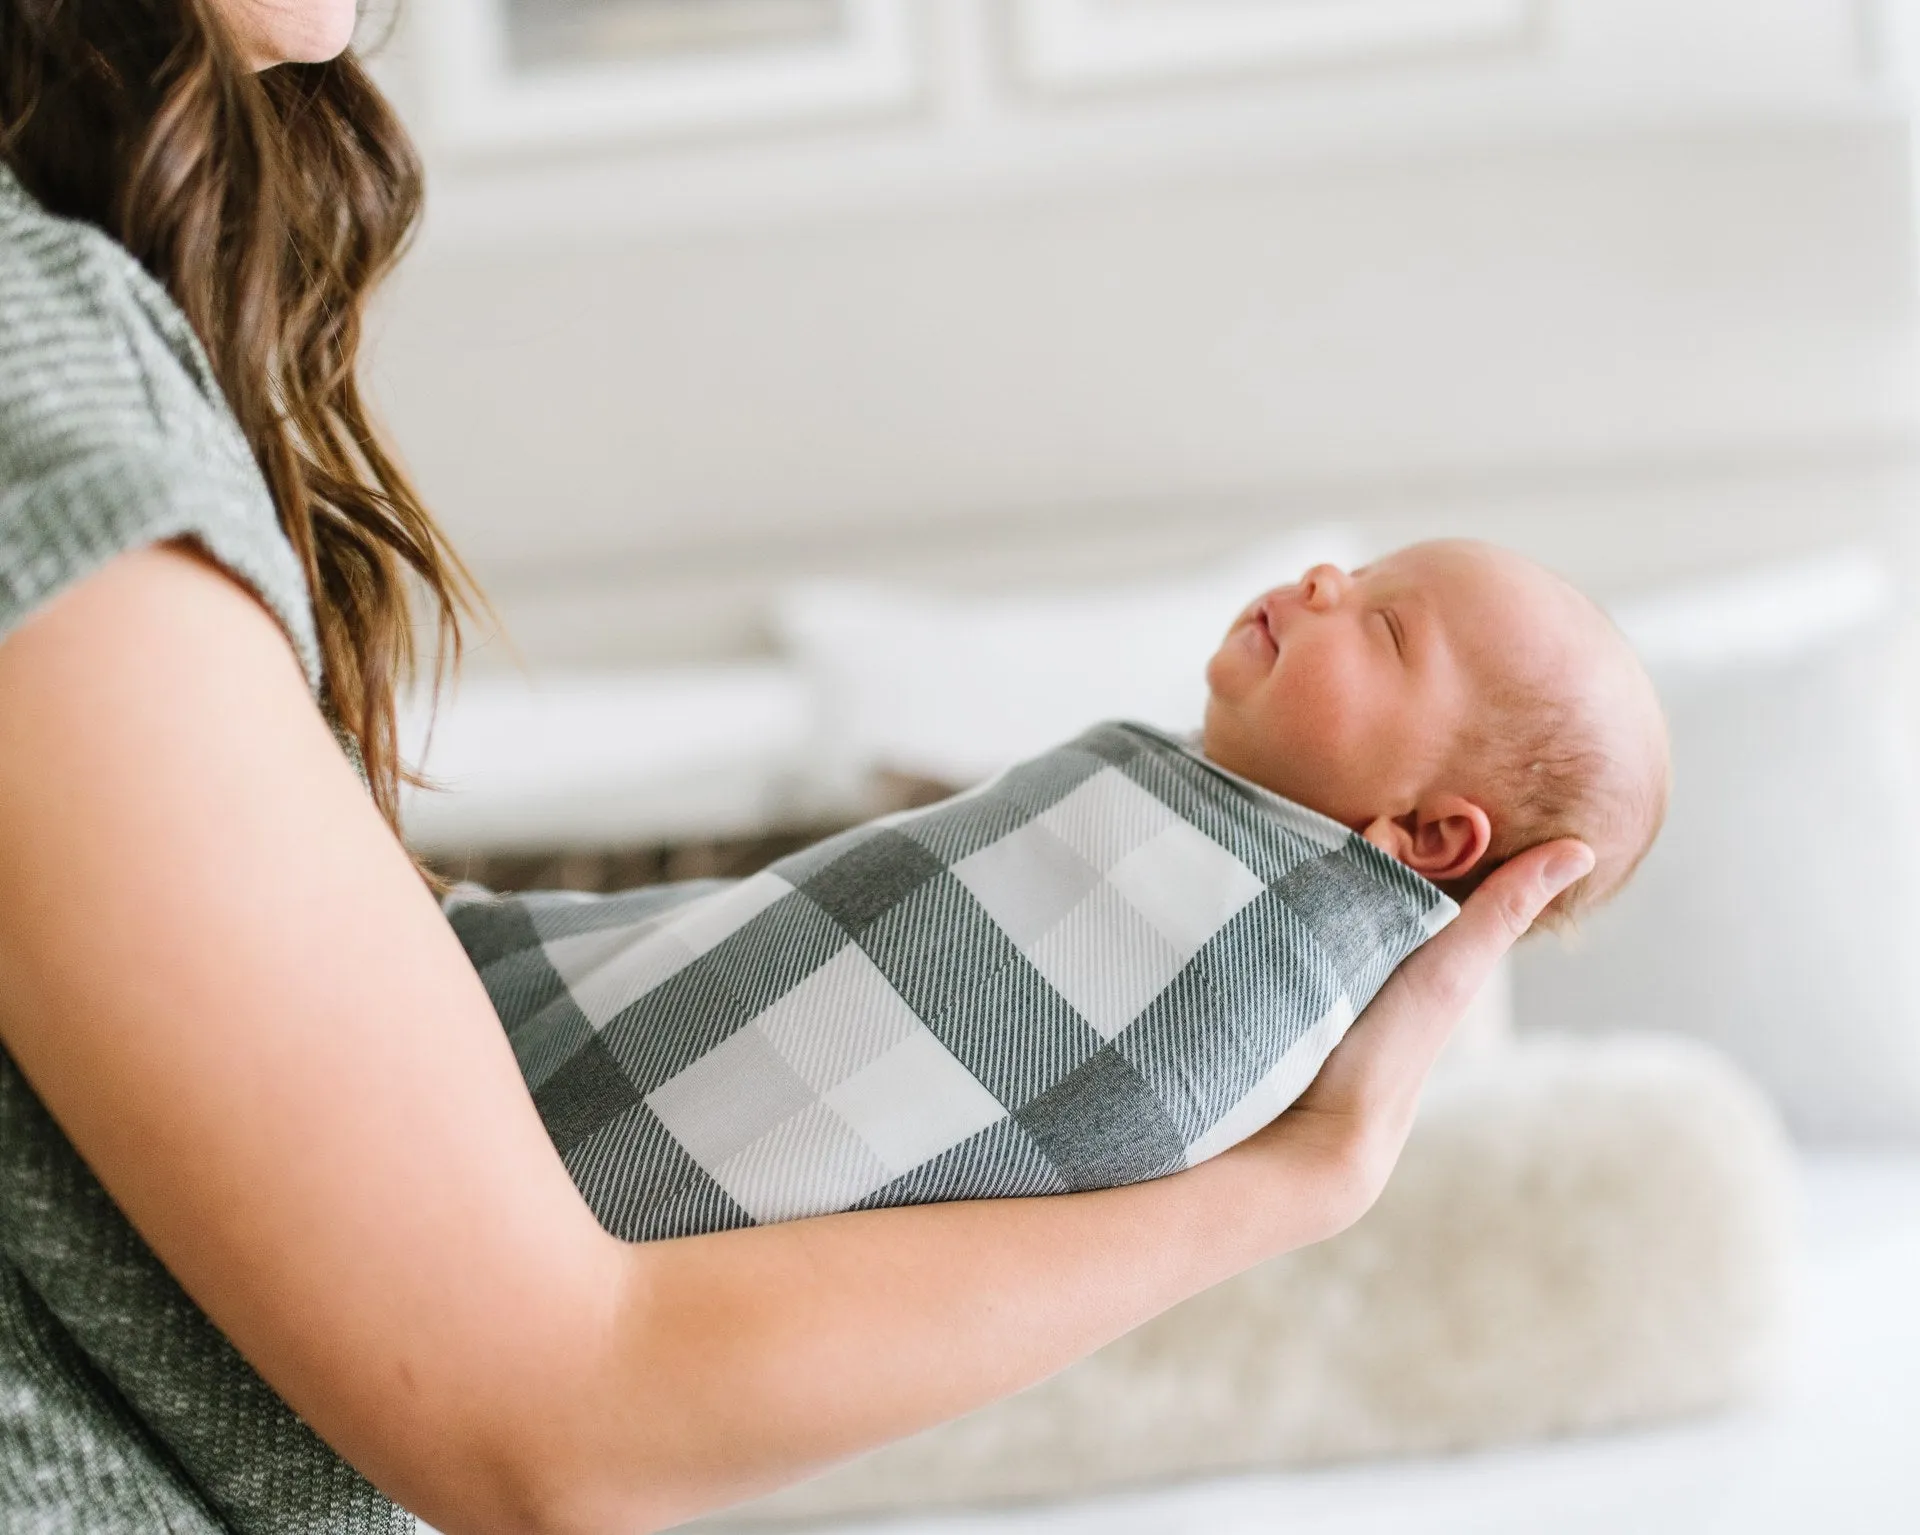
[{"x": 225, "y": 982}]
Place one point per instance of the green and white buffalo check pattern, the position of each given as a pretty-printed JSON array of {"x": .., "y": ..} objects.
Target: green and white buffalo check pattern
[{"x": 1108, "y": 963}]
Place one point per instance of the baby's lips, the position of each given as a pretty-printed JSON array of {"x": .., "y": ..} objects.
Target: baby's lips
[
  {"x": 1258, "y": 636},
  {"x": 1257, "y": 605},
  {"x": 1271, "y": 612}
]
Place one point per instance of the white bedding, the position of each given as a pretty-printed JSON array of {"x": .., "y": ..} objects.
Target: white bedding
[
  {"x": 1836, "y": 1448},
  {"x": 613, "y": 759}
]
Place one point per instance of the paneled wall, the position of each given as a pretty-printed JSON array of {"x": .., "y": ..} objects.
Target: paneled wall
[{"x": 1627, "y": 283}]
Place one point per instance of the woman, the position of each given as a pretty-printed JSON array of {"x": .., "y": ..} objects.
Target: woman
[{"x": 229, "y": 1001}]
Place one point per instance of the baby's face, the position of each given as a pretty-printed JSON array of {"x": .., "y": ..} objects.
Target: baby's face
[{"x": 1350, "y": 691}]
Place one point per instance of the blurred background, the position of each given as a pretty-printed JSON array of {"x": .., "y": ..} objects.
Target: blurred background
[{"x": 841, "y": 398}]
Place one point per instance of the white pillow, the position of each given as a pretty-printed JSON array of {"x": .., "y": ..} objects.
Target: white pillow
[
  {"x": 599, "y": 760},
  {"x": 1778, "y": 915},
  {"x": 955, "y": 687}
]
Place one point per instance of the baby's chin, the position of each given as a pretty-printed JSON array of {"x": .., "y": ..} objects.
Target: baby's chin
[
  {"x": 1222, "y": 741},
  {"x": 1231, "y": 673}
]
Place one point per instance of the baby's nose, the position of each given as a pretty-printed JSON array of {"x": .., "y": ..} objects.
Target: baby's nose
[{"x": 1323, "y": 587}]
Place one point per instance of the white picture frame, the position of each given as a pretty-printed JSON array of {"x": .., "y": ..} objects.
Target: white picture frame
[
  {"x": 1078, "y": 45},
  {"x": 481, "y": 102}
]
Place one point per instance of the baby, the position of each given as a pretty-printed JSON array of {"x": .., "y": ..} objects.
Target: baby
[
  {"x": 1112, "y": 961},
  {"x": 1454, "y": 703}
]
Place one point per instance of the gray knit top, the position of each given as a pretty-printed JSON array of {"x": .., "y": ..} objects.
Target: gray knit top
[{"x": 122, "y": 1408}]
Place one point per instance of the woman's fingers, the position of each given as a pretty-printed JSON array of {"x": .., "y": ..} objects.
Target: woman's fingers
[
  {"x": 1433, "y": 988},
  {"x": 1528, "y": 882},
  {"x": 1362, "y": 1102}
]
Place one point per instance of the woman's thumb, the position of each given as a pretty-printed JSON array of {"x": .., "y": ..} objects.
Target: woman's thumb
[{"x": 1527, "y": 884}]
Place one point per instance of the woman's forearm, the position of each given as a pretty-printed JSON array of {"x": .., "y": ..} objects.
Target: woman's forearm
[{"x": 786, "y": 1348}]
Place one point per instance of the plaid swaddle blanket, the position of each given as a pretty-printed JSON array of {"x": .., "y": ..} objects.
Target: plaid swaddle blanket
[{"x": 1108, "y": 963}]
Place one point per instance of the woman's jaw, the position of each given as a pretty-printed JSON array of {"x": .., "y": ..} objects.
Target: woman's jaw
[{"x": 271, "y": 32}]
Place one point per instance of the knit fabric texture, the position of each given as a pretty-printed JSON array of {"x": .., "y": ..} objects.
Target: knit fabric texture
[{"x": 122, "y": 1407}]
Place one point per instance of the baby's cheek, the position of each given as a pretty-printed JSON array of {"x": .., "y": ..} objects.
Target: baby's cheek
[
  {"x": 1313, "y": 720},
  {"x": 1324, "y": 687},
  {"x": 1363, "y": 738}
]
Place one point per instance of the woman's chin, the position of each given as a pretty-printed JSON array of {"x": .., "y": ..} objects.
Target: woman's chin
[{"x": 276, "y": 32}]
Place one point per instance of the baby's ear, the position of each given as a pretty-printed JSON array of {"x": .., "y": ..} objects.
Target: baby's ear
[
  {"x": 1390, "y": 836},
  {"x": 1443, "y": 838}
]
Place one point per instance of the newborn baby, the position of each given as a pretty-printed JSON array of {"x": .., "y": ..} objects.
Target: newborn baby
[
  {"x": 1453, "y": 703},
  {"x": 1112, "y": 961}
]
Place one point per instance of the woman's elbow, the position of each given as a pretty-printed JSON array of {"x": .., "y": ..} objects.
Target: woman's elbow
[
  {"x": 536, "y": 1478},
  {"x": 536, "y": 1499}
]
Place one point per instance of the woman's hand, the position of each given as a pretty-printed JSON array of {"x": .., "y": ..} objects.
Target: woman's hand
[{"x": 1345, "y": 1133}]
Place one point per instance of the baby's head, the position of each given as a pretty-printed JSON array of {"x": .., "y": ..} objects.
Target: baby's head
[{"x": 1454, "y": 703}]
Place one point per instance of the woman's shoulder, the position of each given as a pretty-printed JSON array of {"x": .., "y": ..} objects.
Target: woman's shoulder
[{"x": 113, "y": 431}]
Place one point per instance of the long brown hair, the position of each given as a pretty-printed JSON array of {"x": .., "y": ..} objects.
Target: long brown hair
[{"x": 269, "y": 205}]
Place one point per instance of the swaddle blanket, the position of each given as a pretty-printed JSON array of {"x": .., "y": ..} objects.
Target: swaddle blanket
[{"x": 1109, "y": 963}]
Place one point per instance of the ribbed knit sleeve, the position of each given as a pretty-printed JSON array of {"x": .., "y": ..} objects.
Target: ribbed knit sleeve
[
  {"x": 113, "y": 434},
  {"x": 122, "y": 1407}
]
